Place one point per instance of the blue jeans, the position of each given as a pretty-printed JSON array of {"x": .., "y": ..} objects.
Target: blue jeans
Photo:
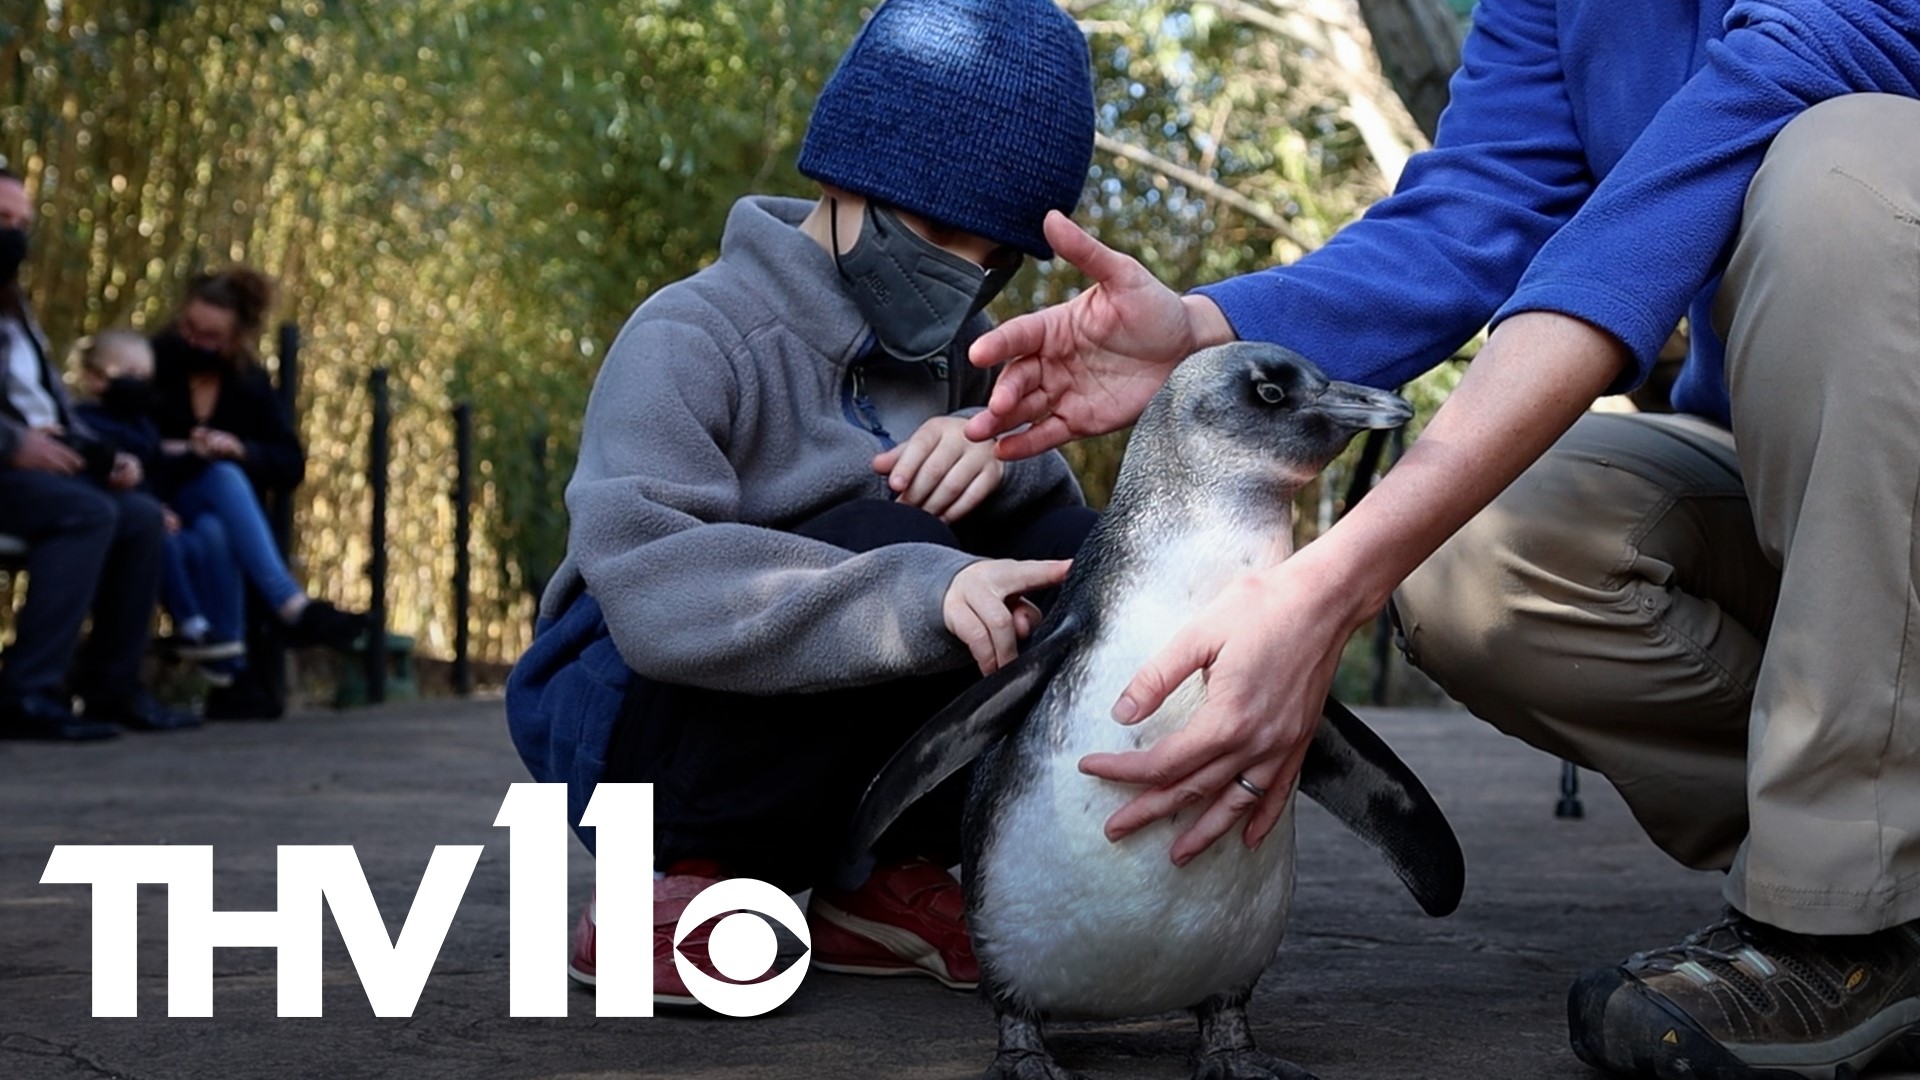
[
  {"x": 223, "y": 492},
  {"x": 202, "y": 579}
]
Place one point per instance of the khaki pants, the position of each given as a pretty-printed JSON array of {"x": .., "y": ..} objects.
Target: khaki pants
[{"x": 1727, "y": 625}]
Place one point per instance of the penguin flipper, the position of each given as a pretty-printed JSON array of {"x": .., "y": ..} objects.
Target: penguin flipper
[
  {"x": 989, "y": 710},
  {"x": 1360, "y": 780}
]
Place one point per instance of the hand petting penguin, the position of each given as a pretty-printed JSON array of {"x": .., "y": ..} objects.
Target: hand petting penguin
[{"x": 1065, "y": 923}]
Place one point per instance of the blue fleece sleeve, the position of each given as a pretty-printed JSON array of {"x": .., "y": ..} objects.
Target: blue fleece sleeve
[
  {"x": 1399, "y": 290},
  {"x": 1662, "y": 223}
]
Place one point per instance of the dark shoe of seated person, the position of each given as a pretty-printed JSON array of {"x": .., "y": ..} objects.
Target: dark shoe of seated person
[
  {"x": 193, "y": 640},
  {"x": 222, "y": 672},
  {"x": 1741, "y": 1000},
  {"x": 320, "y": 623},
  {"x": 39, "y": 717},
  {"x": 140, "y": 712},
  {"x": 204, "y": 650}
]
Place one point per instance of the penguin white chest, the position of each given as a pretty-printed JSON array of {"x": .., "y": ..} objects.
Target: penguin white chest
[{"x": 1078, "y": 926}]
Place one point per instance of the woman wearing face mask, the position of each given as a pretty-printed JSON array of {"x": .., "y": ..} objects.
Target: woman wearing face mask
[{"x": 230, "y": 441}]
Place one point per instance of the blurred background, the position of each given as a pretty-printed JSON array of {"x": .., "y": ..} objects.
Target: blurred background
[{"x": 474, "y": 194}]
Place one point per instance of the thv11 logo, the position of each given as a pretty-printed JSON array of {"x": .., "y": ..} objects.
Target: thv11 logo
[{"x": 393, "y": 973}]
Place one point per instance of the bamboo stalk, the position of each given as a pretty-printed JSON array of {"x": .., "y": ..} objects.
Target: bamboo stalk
[{"x": 1203, "y": 184}]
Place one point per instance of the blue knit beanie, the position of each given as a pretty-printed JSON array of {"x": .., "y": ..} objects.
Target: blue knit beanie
[{"x": 977, "y": 114}]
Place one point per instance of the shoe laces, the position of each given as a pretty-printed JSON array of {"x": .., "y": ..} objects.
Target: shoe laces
[
  {"x": 1723, "y": 944},
  {"x": 1692, "y": 947}
]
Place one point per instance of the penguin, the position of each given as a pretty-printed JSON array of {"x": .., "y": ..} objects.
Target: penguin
[{"x": 1067, "y": 925}]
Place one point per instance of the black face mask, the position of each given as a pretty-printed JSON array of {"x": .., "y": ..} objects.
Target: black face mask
[
  {"x": 915, "y": 294},
  {"x": 128, "y": 397},
  {"x": 171, "y": 348},
  {"x": 13, "y": 252}
]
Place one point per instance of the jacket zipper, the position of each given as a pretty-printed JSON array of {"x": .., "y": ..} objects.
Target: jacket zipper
[{"x": 859, "y": 407}]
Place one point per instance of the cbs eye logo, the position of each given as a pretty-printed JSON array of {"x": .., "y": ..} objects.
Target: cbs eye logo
[{"x": 742, "y": 946}]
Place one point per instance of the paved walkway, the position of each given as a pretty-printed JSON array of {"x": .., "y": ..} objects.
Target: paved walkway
[{"x": 1367, "y": 988}]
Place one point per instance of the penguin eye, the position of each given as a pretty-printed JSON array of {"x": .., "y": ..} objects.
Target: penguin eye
[{"x": 1270, "y": 393}]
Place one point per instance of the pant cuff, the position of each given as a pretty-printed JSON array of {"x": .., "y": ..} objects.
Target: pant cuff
[{"x": 1804, "y": 911}]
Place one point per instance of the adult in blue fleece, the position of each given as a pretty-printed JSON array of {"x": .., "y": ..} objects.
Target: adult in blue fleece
[{"x": 1714, "y": 608}]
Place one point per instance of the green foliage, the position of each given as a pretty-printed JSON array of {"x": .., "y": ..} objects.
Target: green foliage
[{"x": 475, "y": 194}]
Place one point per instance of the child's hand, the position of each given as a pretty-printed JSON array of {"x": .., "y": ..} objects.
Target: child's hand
[
  {"x": 983, "y": 607},
  {"x": 940, "y": 470},
  {"x": 126, "y": 474},
  {"x": 170, "y": 520}
]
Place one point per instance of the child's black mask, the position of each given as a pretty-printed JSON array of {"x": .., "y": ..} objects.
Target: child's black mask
[
  {"x": 128, "y": 397},
  {"x": 915, "y": 294}
]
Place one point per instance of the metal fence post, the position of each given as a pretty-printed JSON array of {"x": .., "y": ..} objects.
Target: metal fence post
[
  {"x": 1383, "y": 629},
  {"x": 462, "y": 541},
  {"x": 287, "y": 388},
  {"x": 537, "y": 447},
  {"x": 377, "y": 453}
]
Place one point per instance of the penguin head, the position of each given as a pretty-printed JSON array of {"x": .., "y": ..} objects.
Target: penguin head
[{"x": 1266, "y": 413}]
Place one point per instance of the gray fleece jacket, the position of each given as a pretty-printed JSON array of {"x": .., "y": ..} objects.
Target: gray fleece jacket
[{"x": 726, "y": 412}]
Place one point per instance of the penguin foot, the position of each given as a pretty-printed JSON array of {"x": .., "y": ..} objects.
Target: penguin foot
[
  {"x": 1247, "y": 1064},
  {"x": 1023, "y": 1053},
  {"x": 1226, "y": 1050},
  {"x": 1027, "y": 1065}
]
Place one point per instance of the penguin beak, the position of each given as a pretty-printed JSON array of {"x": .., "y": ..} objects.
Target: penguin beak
[{"x": 1362, "y": 407}]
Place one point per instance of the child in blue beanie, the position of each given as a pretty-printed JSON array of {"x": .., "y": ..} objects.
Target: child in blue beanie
[{"x": 784, "y": 555}]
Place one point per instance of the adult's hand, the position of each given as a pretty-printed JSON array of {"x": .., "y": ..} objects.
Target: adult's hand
[
  {"x": 1267, "y": 648},
  {"x": 984, "y": 609},
  {"x": 940, "y": 470},
  {"x": 215, "y": 445},
  {"x": 1090, "y": 365},
  {"x": 40, "y": 451}
]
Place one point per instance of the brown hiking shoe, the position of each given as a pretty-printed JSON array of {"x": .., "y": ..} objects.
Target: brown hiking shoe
[{"x": 1740, "y": 1000}]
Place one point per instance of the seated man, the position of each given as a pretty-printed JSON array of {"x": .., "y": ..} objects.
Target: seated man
[
  {"x": 766, "y": 589},
  {"x": 93, "y": 542}
]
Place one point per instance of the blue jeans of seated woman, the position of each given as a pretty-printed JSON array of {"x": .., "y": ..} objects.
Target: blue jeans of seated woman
[
  {"x": 222, "y": 490},
  {"x": 201, "y": 578}
]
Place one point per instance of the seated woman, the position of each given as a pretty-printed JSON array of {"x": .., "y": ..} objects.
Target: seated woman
[{"x": 228, "y": 441}]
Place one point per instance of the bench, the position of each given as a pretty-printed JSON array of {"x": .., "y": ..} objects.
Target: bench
[{"x": 401, "y": 685}]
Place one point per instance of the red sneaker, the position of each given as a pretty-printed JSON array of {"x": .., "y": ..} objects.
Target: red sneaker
[
  {"x": 580, "y": 964},
  {"x": 671, "y": 895},
  {"x": 908, "y": 919}
]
